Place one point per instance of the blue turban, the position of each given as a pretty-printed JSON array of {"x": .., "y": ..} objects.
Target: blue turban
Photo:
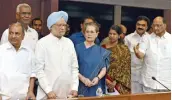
[{"x": 56, "y": 16}]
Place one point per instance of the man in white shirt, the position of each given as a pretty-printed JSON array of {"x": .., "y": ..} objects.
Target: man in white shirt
[
  {"x": 131, "y": 40},
  {"x": 23, "y": 15},
  {"x": 56, "y": 61},
  {"x": 16, "y": 66},
  {"x": 155, "y": 50}
]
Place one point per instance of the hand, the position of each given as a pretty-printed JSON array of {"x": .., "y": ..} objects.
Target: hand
[
  {"x": 87, "y": 82},
  {"x": 0, "y": 98},
  {"x": 136, "y": 48},
  {"x": 74, "y": 93},
  {"x": 52, "y": 95},
  {"x": 110, "y": 84},
  {"x": 95, "y": 81},
  {"x": 30, "y": 95}
]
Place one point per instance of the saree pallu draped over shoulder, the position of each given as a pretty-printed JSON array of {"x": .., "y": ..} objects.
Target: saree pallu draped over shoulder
[
  {"x": 120, "y": 68},
  {"x": 91, "y": 61}
]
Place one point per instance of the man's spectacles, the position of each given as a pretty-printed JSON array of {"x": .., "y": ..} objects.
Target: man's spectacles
[
  {"x": 26, "y": 13},
  {"x": 157, "y": 25},
  {"x": 61, "y": 25}
]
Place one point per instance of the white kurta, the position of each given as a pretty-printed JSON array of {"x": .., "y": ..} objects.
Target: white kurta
[
  {"x": 57, "y": 66},
  {"x": 16, "y": 68},
  {"x": 30, "y": 38},
  {"x": 132, "y": 40},
  {"x": 157, "y": 60}
]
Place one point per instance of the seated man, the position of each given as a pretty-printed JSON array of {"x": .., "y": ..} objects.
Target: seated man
[{"x": 16, "y": 66}]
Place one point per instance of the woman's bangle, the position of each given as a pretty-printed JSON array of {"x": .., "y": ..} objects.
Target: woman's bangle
[{"x": 98, "y": 77}]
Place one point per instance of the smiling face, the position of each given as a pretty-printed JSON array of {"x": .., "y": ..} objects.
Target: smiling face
[
  {"x": 141, "y": 27},
  {"x": 24, "y": 15}
]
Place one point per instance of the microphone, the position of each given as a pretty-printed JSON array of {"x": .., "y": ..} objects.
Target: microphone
[
  {"x": 160, "y": 83},
  {"x": 37, "y": 83}
]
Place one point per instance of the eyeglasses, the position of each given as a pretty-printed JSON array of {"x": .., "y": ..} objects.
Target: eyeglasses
[
  {"x": 26, "y": 13},
  {"x": 157, "y": 25},
  {"x": 61, "y": 25},
  {"x": 16, "y": 34}
]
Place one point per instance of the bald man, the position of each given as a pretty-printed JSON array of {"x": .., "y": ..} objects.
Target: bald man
[
  {"x": 56, "y": 61},
  {"x": 16, "y": 66},
  {"x": 155, "y": 50}
]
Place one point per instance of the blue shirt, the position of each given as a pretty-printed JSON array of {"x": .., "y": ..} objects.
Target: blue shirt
[{"x": 78, "y": 38}]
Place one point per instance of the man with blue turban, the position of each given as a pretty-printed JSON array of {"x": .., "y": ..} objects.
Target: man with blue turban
[{"x": 56, "y": 61}]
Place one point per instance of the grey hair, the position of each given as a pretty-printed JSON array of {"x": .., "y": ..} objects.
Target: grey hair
[
  {"x": 21, "y": 5},
  {"x": 17, "y": 24}
]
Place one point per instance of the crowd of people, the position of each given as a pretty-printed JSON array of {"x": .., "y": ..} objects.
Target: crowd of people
[{"x": 35, "y": 66}]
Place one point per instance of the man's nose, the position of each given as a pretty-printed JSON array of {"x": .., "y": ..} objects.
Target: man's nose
[
  {"x": 27, "y": 15},
  {"x": 13, "y": 35},
  {"x": 140, "y": 26},
  {"x": 62, "y": 27},
  {"x": 37, "y": 27},
  {"x": 155, "y": 27}
]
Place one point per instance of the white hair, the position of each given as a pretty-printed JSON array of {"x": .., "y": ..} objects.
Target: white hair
[{"x": 21, "y": 5}]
